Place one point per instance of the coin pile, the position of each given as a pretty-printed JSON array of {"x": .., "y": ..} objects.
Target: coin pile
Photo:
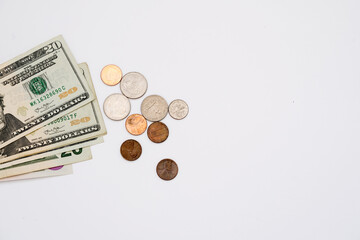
[{"x": 154, "y": 108}]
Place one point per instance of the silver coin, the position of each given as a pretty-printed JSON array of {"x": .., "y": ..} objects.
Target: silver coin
[
  {"x": 178, "y": 109},
  {"x": 133, "y": 85},
  {"x": 154, "y": 108},
  {"x": 117, "y": 106}
]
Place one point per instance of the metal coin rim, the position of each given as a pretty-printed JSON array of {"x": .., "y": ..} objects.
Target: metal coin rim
[
  {"x": 141, "y": 94},
  {"x": 128, "y": 129},
  {"x": 110, "y": 117},
  {"x": 103, "y": 70},
  {"x": 137, "y": 143},
  {"x": 172, "y": 115},
  {"x": 157, "y": 120},
  {"x": 166, "y": 128},
  {"x": 176, "y": 167}
]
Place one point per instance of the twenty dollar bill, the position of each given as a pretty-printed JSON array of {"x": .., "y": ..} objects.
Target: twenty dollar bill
[
  {"x": 37, "y": 87},
  {"x": 79, "y": 125},
  {"x": 65, "y": 158}
]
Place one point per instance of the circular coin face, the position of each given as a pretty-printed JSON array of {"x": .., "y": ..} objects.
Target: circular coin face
[
  {"x": 133, "y": 85},
  {"x": 178, "y": 109},
  {"x": 167, "y": 169},
  {"x": 116, "y": 106},
  {"x": 136, "y": 124},
  {"x": 154, "y": 108},
  {"x": 111, "y": 75},
  {"x": 158, "y": 132},
  {"x": 130, "y": 150}
]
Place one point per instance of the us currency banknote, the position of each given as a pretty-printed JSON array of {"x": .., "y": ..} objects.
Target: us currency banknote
[
  {"x": 77, "y": 126},
  {"x": 37, "y": 87},
  {"x": 51, "y": 172},
  {"x": 51, "y": 153},
  {"x": 65, "y": 158}
]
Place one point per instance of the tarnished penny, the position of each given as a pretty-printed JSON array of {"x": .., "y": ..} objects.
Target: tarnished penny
[
  {"x": 131, "y": 150},
  {"x": 178, "y": 109},
  {"x": 167, "y": 169},
  {"x": 136, "y": 124},
  {"x": 158, "y": 132},
  {"x": 116, "y": 106},
  {"x": 154, "y": 108},
  {"x": 133, "y": 85},
  {"x": 111, "y": 75}
]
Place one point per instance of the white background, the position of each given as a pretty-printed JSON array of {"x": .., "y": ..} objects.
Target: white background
[{"x": 269, "y": 150}]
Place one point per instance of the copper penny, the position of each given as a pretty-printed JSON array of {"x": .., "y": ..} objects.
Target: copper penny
[
  {"x": 167, "y": 169},
  {"x": 158, "y": 132},
  {"x": 130, "y": 150},
  {"x": 111, "y": 75},
  {"x": 136, "y": 124}
]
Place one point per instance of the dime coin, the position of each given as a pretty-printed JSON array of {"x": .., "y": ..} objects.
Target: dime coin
[
  {"x": 136, "y": 124},
  {"x": 178, "y": 109},
  {"x": 158, "y": 132},
  {"x": 111, "y": 75},
  {"x": 130, "y": 150},
  {"x": 133, "y": 85},
  {"x": 154, "y": 108},
  {"x": 116, "y": 106},
  {"x": 167, "y": 169}
]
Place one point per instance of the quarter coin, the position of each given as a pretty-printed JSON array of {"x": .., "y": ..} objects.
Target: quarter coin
[
  {"x": 136, "y": 124},
  {"x": 133, "y": 85},
  {"x": 154, "y": 108},
  {"x": 178, "y": 109},
  {"x": 111, "y": 75},
  {"x": 116, "y": 106},
  {"x": 167, "y": 169},
  {"x": 158, "y": 132},
  {"x": 131, "y": 150}
]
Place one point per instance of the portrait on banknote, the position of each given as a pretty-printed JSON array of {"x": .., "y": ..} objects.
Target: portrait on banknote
[{"x": 8, "y": 124}]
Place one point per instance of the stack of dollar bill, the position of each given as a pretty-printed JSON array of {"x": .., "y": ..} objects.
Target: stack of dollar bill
[{"x": 49, "y": 113}]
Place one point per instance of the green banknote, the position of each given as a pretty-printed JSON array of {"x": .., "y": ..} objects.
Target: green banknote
[
  {"x": 38, "y": 87},
  {"x": 64, "y": 158},
  {"x": 77, "y": 126}
]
